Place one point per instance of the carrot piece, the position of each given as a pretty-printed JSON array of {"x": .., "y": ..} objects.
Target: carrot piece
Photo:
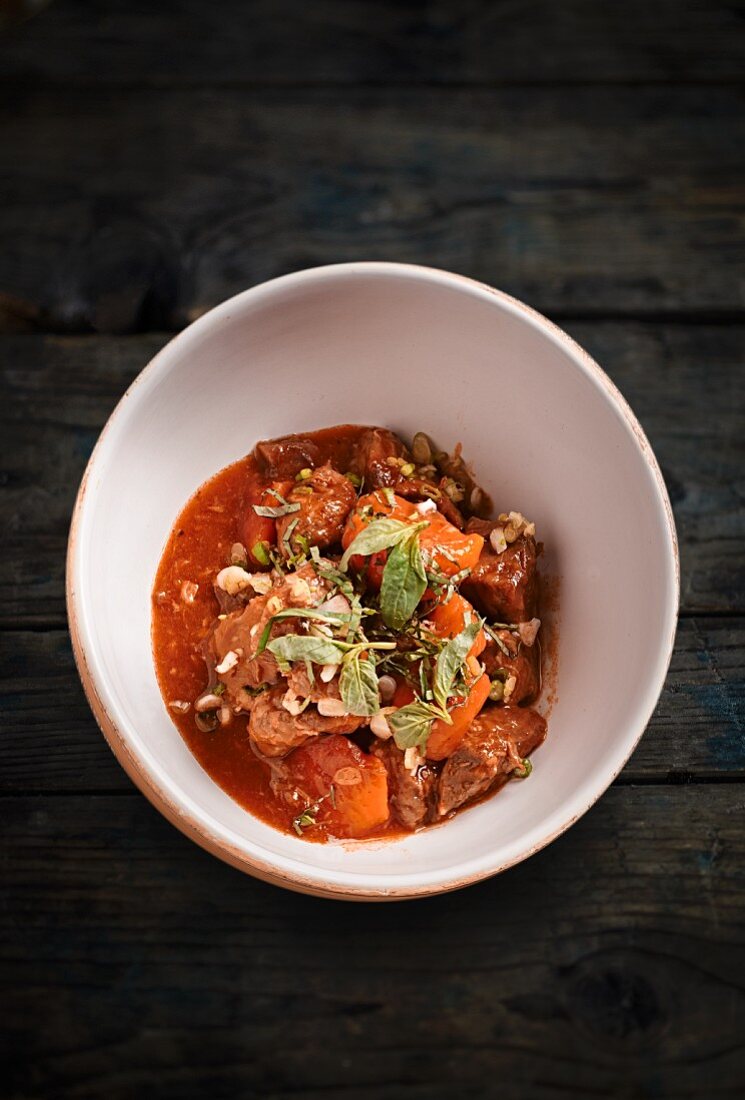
[
  {"x": 451, "y": 617},
  {"x": 260, "y": 532},
  {"x": 359, "y": 802},
  {"x": 444, "y": 739},
  {"x": 450, "y": 549}
]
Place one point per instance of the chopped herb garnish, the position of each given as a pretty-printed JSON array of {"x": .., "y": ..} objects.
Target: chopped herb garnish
[
  {"x": 309, "y": 814},
  {"x": 269, "y": 512},
  {"x": 260, "y": 553}
]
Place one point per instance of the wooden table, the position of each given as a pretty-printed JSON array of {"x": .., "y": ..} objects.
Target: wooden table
[{"x": 587, "y": 157}]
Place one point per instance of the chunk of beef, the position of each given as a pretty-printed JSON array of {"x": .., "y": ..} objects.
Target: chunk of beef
[
  {"x": 523, "y": 662},
  {"x": 411, "y": 796},
  {"x": 504, "y": 587},
  {"x": 326, "y": 499},
  {"x": 239, "y": 633},
  {"x": 274, "y": 731},
  {"x": 496, "y": 742},
  {"x": 283, "y": 458},
  {"x": 299, "y": 682},
  {"x": 370, "y": 461}
]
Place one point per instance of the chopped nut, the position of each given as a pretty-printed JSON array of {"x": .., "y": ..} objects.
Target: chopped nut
[
  {"x": 331, "y": 708},
  {"x": 180, "y": 705},
  {"x": 413, "y": 760},
  {"x": 509, "y": 687},
  {"x": 189, "y": 591},
  {"x": 299, "y": 589},
  {"x": 425, "y": 506},
  {"x": 273, "y": 605},
  {"x": 528, "y": 631},
  {"x": 497, "y": 540},
  {"x": 477, "y": 499},
  {"x": 230, "y": 660},
  {"x": 233, "y": 579},
  {"x": 226, "y": 715},
  {"x": 328, "y": 672},
  {"x": 379, "y": 723},
  {"x": 292, "y": 702}
]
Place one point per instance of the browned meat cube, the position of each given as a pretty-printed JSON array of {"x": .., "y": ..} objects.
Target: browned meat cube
[
  {"x": 370, "y": 461},
  {"x": 274, "y": 731},
  {"x": 239, "y": 633},
  {"x": 504, "y": 586},
  {"x": 497, "y": 740},
  {"x": 523, "y": 662},
  {"x": 326, "y": 498},
  {"x": 411, "y": 797},
  {"x": 283, "y": 458}
]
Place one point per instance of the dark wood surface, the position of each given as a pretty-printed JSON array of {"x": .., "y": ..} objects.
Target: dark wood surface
[{"x": 155, "y": 158}]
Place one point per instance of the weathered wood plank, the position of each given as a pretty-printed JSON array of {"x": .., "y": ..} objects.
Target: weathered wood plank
[
  {"x": 409, "y": 41},
  {"x": 135, "y": 963},
  {"x": 684, "y": 382},
  {"x": 622, "y": 200},
  {"x": 50, "y": 740}
]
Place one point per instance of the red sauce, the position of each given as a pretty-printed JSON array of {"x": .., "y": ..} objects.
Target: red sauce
[{"x": 199, "y": 545}]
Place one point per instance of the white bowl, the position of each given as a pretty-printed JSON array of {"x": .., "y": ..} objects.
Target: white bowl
[{"x": 410, "y": 348}]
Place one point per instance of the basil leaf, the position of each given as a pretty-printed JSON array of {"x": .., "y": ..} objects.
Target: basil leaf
[
  {"x": 305, "y": 647},
  {"x": 358, "y": 684},
  {"x": 274, "y": 513},
  {"x": 404, "y": 582},
  {"x": 450, "y": 661},
  {"x": 333, "y": 618},
  {"x": 411, "y": 725},
  {"x": 379, "y": 535}
]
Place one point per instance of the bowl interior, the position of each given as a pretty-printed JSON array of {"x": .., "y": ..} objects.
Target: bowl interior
[{"x": 411, "y": 349}]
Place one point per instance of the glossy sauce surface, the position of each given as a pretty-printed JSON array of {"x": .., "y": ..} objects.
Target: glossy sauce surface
[{"x": 199, "y": 545}]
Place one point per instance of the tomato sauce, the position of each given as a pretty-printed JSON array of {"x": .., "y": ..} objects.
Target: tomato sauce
[
  {"x": 185, "y": 610},
  {"x": 199, "y": 545}
]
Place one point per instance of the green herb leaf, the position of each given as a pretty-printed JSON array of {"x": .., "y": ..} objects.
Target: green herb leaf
[
  {"x": 260, "y": 552},
  {"x": 450, "y": 661},
  {"x": 411, "y": 725},
  {"x": 274, "y": 513},
  {"x": 332, "y": 618},
  {"x": 358, "y": 684},
  {"x": 404, "y": 582},
  {"x": 304, "y": 647},
  {"x": 379, "y": 535}
]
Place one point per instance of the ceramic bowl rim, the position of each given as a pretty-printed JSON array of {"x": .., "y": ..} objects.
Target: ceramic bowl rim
[{"x": 191, "y": 819}]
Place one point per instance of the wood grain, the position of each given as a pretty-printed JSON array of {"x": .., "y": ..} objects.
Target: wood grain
[
  {"x": 684, "y": 382},
  {"x": 623, "y": 200},
  {"x": 148, "y": 967},
  {"x": 51, "y": 742},
  {"x": 405, "y": 41}
]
